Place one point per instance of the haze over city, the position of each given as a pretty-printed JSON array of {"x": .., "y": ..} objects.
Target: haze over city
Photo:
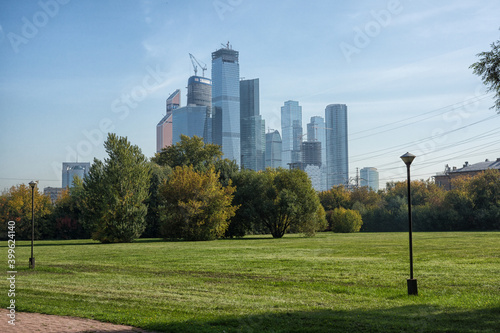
[{"x": 74, "y": 70}]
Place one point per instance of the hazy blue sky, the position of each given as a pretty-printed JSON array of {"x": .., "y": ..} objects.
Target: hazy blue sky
[{"x": 70, "y": 71}]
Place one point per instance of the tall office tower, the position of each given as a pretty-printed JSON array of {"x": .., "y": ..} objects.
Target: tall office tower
[
  {"x": 226, "y": 102},
  {"x": 369, "y": 177},
  {"x": 251, "y": 126},
  {"x": 311, "y": 162},
  {"x": 316, "y": 132},
  {"x": 199, "y": 91},
  {"x": 337, "y": 163},
  {"x": 72, "y": 169},
  {"x": 291, "y": 128},
  {"x": 273, "y": 149},
  {"x": 164, "y": 127},
  {"x": 200, "y": 94}
]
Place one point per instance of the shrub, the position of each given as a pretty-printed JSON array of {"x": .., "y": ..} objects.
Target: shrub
[{"x": 343, "y": 220}]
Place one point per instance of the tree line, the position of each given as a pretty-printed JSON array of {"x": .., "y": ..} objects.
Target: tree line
[
  {"x": 472, "y": 204},
  {"x": 189, "y": 192}
]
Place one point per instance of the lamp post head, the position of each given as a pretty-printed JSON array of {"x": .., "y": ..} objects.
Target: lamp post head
[
  {"x": 32, "y": 184},
  {"x": 408, "y": 158}
]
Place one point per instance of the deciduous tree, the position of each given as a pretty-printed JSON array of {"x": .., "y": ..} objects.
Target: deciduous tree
[
  {"x": 15, "y": 205},
  {"x": 195, "y": 205}
]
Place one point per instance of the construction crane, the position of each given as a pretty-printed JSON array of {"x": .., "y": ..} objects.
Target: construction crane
[{"x": 194, "y": 62}]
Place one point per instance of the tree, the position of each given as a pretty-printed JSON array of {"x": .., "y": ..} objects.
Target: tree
[
  {"x": 153, "y": 218},
  {"x": 488, "y": 67},
  {"x": 189, "y": 151},
  {"x": 15, "y": 205},
  {"x": 195, "y": 206},
  {"x": 337, "y": 196},
  {"x": 115, "y": 191},
  {"x": 247, "y": 218},
  {"x": 289, "y": 203},
  {"x": 67, "y": 213},
  {"x": 345, "y": 220}
]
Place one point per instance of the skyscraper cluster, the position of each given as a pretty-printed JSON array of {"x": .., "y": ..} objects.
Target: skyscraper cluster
[{"x": 225, "y": 110}]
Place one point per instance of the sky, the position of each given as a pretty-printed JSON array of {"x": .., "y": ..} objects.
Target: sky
[{"x": 72, "y": 70}]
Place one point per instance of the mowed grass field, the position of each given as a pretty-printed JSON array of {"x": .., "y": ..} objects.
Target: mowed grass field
[{"x": 328, "y": 283}]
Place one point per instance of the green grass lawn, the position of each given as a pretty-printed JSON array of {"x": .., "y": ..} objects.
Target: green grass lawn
[{"x": 329, "y": 283}]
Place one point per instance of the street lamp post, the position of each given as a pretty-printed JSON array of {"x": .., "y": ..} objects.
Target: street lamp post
[
  {"x": 32, "y": 259},
  {"x": 411, "y": 282}
]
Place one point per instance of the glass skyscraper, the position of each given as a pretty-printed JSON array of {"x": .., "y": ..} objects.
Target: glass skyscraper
[
  {"x": 291, "y": 129},
  {"x": 226, "y": 102},
  {"x": 336, "y": 145},
  {"x": 316, "y": 132},
  {"x": 252, "y": 126},
  {"x": 369, "y": 177},
  {"x": 273, "y": 149},
  {"x": 200, "y": 94}
]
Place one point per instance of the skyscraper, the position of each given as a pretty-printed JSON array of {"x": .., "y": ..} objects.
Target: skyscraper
[
  {"x": 72, "y": 169},
  {"x": 273, "y": 149},
  {"x": 316, "y": 132},
  {"x": 336, "y": 145},
  {"x": 200, "y": 94},
  {"x": 164, "y": 127},
  {"x": 291, "y": 128},
  {"x": 251, "y": 126},
  {"x": 311, "y": 162},
  {"x": 369, "y": 177},
  {"x": 226, "y": 102}
]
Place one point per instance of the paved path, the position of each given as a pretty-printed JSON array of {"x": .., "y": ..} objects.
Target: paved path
[{"x": 36, "y": 322}]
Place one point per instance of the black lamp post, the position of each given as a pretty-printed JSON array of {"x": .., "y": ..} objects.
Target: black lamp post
[
  {"x": 412, "y": 283},
  {"x": 32, "y": 259}
]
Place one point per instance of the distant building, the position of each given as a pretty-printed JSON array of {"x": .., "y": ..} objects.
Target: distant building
[
  {"x": 53, "y": 193},
  {"x": 164, "y": 133},
  {"x": 273, "y": 149},
  {"x": 199, "y": 91},
  {"x": 226, "y": 102},
  {"x": 252, "y": 126},
  {"x": 369, "y": 177},
  {"x": 336, "y": 145},
  {"x": 200, "y": 94},
  {"x": 164, "y": 127},
  {"x": 72, "y": 169},
  {"x": 291, "y": 129},
  {"x": 311, "y": 163},
  {"x": 316, "y": 131},
  {"x": 444, "y": 179}
]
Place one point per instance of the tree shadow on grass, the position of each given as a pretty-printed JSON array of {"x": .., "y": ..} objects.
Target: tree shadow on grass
[{"x": 410, "y": 318}]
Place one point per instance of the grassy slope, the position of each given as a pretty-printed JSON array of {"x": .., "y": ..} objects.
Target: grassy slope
[{"x": 344, "y": 282}]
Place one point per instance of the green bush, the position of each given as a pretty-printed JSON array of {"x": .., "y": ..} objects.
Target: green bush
[{"x": 343, "y": 220}]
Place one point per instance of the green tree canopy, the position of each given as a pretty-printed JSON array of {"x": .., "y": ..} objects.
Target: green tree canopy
[
  {"x": 195, "y": 205},
  {"x": 488, "y": 67},
  {"x": 288, "y": 202},
  {"x": 189, "y": 151},
  {"x": 336, "y": 197},
  {"x": 115, "y": 191}
]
